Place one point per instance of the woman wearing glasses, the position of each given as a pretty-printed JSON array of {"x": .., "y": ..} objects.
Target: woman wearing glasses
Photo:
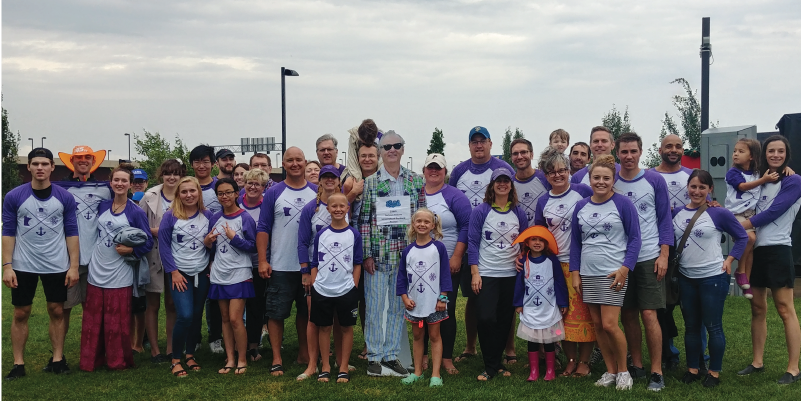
[
  {"x": 555, "y": 211},
  {"x": 250, "y": 200},
  {"x": 232, "y": 239}
]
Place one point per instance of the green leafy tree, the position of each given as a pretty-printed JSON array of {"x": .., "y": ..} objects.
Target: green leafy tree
[
  {"x": 437, "y": 144},
  {"x": 618, "y": 124},
  {"x": 155, "y": 149},
  {"x": 653, "y": 159},
  {"x": 11, "y": 178},
  {"x": 507, "y": 145},
  {"x": 518, "y": 134}
]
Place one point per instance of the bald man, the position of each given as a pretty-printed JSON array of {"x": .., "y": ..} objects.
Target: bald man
[{"x": 278, "y": 231}]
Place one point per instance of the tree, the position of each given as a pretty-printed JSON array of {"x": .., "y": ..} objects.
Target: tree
[
  {"x": 155, "y": 149},
  {"x": 507, "y": 146},
  {"x": 617, "y": 124},
  {"x": 11, "y": 178},
  {"x": 518, "y": 134},
  {"x": 653, "y": 159},
  {"x": 437, "y": 142}
]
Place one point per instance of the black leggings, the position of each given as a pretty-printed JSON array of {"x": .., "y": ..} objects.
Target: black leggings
[
  {"x": 447, "y": 329},
  {"x": 254, "y": 307},
  {"x": 535, "y": 347},
  {"x": 494, "y": 310}
]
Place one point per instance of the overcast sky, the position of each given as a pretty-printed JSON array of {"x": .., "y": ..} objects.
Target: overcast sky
[{"x": 88, "y": 71}]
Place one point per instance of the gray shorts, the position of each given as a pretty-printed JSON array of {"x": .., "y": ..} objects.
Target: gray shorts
[
  {"x": 77, "y": 294},
  {"x": 283, "y": 289},
  {"x": 644, "y": 291}
]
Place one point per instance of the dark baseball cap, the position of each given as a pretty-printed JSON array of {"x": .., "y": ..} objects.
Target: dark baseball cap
[
  {"x": 223, "y": 153},
  {"x": 40, "y": 152}
]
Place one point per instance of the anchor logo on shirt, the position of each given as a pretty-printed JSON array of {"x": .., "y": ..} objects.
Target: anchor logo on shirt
[
  {"x": 564, "y": 226},
  {"x": 333, "y": 267},
  {"x": 194, "y": 246},
  {"x": 223, "y": 249},
  {"x": 421, "y": 289},
  {"x": 501, "y": 245},
  {"x": 475, "y": 202},
  {"x": 88, "y": 215},
  {"x": 41, "y": 232},
  {"x": 108, "y": 243},
  {"x": 537, "y": 301}
]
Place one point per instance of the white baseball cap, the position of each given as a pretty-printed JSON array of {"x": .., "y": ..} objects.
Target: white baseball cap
[{"x": 437, "y": 159}]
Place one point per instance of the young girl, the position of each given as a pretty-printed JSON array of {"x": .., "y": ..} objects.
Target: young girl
[
  {"x": 743, "y": 185},
  {"x": 424, "y": 280},
  {"x": 540, "y": 298},
  {"x": 231, "y": 277}
]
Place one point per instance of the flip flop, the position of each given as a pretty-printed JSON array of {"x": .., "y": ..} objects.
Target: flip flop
[
  {"x": 504, "y": 373},
  {"x": 240, "y": 368},
  {"x": 510, "y": 359},
  {"x": 323, "y": 377},
  {"x": 363, "y": 355},
  {"x": 343, "y": 377},
  {"x": 452, "y": 371},
  {"x": 277, "y": 368},
  {"x": 463, "y": 357},
  {"x": 254, "y": 354},
  {"x": 227, "y": 369}
]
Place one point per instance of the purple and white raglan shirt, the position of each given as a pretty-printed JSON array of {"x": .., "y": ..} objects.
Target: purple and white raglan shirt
[
  {"x": 423, "y": 274},
  {"x": 648, "y": 192},
  {"x": 604, "y": 236},
  {"x": 336, "y": 253},
  {"x": 472, "y": 179},
  {"x": 556, "y": 213},
  {"x": 541, "y": 289},
  {"x": 255, "y": 212},
  {"x": 490, "y": 238},
  {"x": 676, "y": 183},
  {"x": 280, "y": 214},
  {"x": 181, "y": 242},
  {"x": 232, "y": 257},
  {"x": 310, "y": 223},
  {"x": 107, "y": 268},
  {"x": 775, "y": 212},
  {"x": 88, "y": 195},
  {"x": 453, "y": 209},
  {"x": 210, "y": 201},
  {"x": 702, "y": 255},
  {"x": 583, "y": 177},
  {"x": 40, "y": 227},
  {"x": 740, "y": 201},
  {"x": 530, "y": 191}
]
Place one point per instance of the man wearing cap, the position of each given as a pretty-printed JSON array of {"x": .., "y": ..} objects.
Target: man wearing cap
[
  {"x": 40, "y": 241},
  {"x": 88, "y": 193},
  {"x": 390, "y": 198},
  {"x": 602, "y": 143},
  {"x": 226, "y": 162},
  {"x": 139, "y": 183},
  {"x": 471, "y": 177}
]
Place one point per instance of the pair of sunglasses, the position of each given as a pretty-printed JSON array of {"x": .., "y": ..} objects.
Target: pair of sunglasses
[{"x": 395, "y": 145}]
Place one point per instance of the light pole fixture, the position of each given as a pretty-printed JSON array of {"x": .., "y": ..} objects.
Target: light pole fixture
[
  {"x": 31, "y": 139},
  {"x": 284, "y": 73},
  {"x": 345, "y": 157},
  {"x": 108, "y": 155},
  {"x": 129, "y": 145},
  {"x": 43, "y": 138},
  {"x": 411, "y": 164}
]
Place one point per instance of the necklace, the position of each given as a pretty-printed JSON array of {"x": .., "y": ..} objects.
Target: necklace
[{"x": 116, "y": 209}]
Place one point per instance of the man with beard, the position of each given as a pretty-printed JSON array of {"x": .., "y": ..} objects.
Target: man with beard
[
  {"x": 225, "y": 163},
  {"x": 579, "y": 157}
]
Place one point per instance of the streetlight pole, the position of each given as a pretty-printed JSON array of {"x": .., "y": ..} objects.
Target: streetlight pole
[
  {"x": 292, "y": 73},
  {"x": 108, "y": 155},
  {"x": 345, "y": 158},
  {"x": 43, "y": 138},
  {"x": 129, "y": 145},
  {"x": 31, "y": 142},
  {"x": 411, "y": 164}
]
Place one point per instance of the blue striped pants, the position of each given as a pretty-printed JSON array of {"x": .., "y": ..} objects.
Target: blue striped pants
[{"x": 383, "y": 337}]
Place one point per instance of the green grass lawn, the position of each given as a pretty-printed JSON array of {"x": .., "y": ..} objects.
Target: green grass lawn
[{"x": 148, "y": 381}]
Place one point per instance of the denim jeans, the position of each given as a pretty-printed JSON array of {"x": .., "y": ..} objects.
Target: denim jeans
[
  {"x": 189, "y": 310},
  {"x": 702, "y": 301}
]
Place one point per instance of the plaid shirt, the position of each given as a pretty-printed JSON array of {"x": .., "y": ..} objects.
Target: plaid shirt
[{"x": 385, "y": 243}]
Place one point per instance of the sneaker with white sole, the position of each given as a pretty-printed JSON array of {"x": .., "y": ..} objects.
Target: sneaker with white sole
[
  {"x": 657, "y": 382},
  {"x": 395, "y": 368},
  {"x": 375, "y": 369},
  {"x": 216, "y": 347},
  {"x": 606, "y": 380},
  {"x": 624, "y": 381}
]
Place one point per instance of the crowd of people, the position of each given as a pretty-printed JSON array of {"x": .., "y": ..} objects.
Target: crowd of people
[{"x": 570, "y": 246}]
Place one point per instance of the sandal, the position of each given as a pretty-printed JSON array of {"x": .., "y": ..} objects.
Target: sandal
[
  {"x": 180, "y": 373},
  {"x": 464, "y": 357},
  {"x": 589, "y": 370},
  {"x": 343, "y": 377},
  {"x": 277, "y": 368},
  {"x": 241, "y": 370},
  {"x": 510, "y": 359},
  {"x": 323, "y": 377},
  {"x": 567, "y": 371},
  {"x": 194, "y": 367},
  {"x": 504, "y": 373},
  {"x": 225, "y": 370},
  {"x": 484, "y": 376},
  {"x": 363, "y": 355},
  {"x": 254, "y": 354}
]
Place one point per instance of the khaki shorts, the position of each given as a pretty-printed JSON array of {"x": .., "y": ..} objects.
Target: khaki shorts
[
  {"x": 741, "y": 217},
  {"x": 644, "y": 291},
  {"x": 77, "y": 294},
  {"x": 156, "y": 278}
]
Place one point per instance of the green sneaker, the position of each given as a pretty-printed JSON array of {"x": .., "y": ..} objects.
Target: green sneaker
[
  {"x": 411, "y": 379},
  {"x": 435, "y": 382}
]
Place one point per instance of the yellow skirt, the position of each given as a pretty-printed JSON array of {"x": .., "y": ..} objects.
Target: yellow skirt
[{"x": 578, "y": 322}]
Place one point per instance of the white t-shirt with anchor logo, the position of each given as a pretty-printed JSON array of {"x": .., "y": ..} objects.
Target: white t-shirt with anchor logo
[
  {"x": 490, "y": 238},
  {"x": 335, "y": 254},
  {"x": 181, "y": 242},
  {"x": 472, "y": 179},
  {"x": 530, "y": 191},
  {"x": 424, "y": 273}
]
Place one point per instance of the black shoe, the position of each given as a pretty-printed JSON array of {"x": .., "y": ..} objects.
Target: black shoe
[
  {"x": 16, "y": 372},
  {"x": 750, "y": 369},
  {"x": 636, "y": 373},
  {"x": 395, "y": 368},
  {"x": 670, "y": 366},
  {"x": 690, "y": 377},
  {"x": 60, "y": 367},
  {"x": 160, "y": 358},
  {"x": 710, "y": 381},
  {"x": 375, "y": 369},
  {"x": 657, "y": 382},
  {"x": 49, "y": 367},
  {"x": 787, "y": 378}
]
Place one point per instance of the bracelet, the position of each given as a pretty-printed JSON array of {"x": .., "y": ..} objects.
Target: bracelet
[
  {"x": 443, "y": 298},
  {"x": 6, "y": 264}
]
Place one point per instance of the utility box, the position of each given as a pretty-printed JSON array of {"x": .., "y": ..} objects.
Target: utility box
[{"x": 717, "y": 146}]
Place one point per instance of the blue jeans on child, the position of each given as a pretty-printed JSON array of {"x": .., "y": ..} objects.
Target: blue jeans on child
[
  {"x": 189, "y": 310},
  {"x": 702, "y": 301}
]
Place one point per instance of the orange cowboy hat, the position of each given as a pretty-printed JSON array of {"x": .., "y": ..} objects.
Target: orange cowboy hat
[
  {"x": 100, "y": 155},
  {"x": 538, "y": 231}
]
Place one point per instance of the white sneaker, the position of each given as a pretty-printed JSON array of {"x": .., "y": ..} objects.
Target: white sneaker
[
  {"x": 606, "y": 380},
  {"x": 216, "y": 347},
  {"x": 624, "y": 381}
]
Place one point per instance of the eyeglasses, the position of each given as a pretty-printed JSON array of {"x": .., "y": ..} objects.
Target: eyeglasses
[
  {"x": 479, "y": 142},
  {"x": 201, "y": 163},
  {"x": 561, "y": 171},
  {"x": 520, "y": 153},
  {"x": 252, "y": 184},
  {"x": 138, "y": 181},
  {"x": 225, "y": 194},
  {"x": 327, "y": 150},
  {"x": 394, "y": 145}
]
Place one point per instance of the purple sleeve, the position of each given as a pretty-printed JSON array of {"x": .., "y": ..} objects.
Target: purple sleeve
[
  {"x": 583, "y": 190},
  {"x": 541, "y": 176},
  {"x": 401, "y": 287},
  {"x": 477, "y": 218},
  {"x": 247, "y": 242},
  {"x": 787, "y": 196},
  {"x": 662, "y": 203},
  {"x": 676, "y": 211},
  {"x": 165, "y": 241},
  {"x": 70, "y": 213},
  {"x": 631, "y": 225},
  {"x": 137, "y": 218},
  {"x": 457, "y": 172},
  {"x": 315, "y": 262},
  {"x": 521, "y": 218},
  {"x": 734, "y": 178},
  {"x": 520, "y": 289},
  {"x": 725, "y": 221},
  {"x": 460, "y": 207},
  {"x": 358, "y": 249},
  {"x": 560, "y": 285},
  {"x": 575, "y": 238},
  {"x": 267, "y": 206},
  {"x": 539, "y": 217},
  {"x": 10, "y": 206},
  {"x": 496, "y": 163},
  {"x": 445, "y": 284},
  {"x": 576, "y": 178},
  {"x": 305, "y": 231}
]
